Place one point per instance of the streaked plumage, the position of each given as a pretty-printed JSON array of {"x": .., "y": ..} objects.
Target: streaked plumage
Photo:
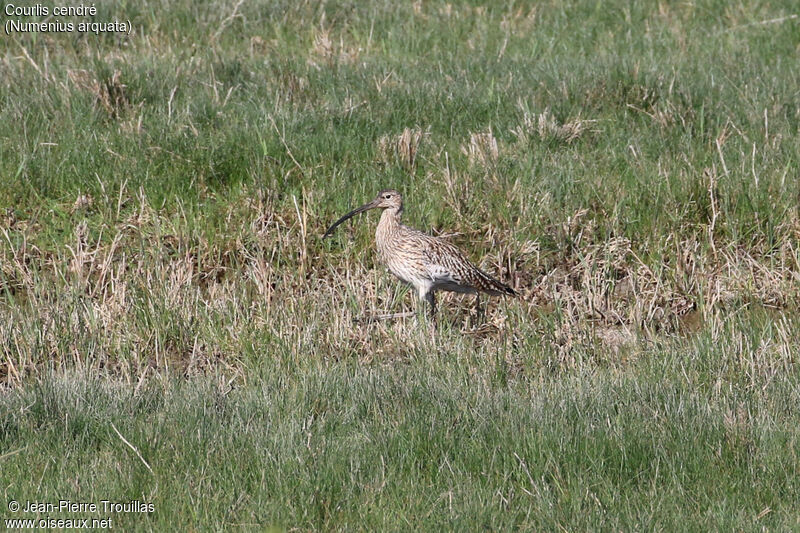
[{"x": 425, "y": 262}]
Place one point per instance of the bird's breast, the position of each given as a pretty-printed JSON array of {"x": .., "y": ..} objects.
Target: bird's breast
[{"x": 405, "y": 265}]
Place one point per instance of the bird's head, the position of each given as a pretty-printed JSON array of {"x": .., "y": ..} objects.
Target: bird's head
[{"x": 386, "y": 199}]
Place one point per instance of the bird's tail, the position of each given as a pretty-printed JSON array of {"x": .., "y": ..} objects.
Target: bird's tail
[{"x": 491, "y": 286}]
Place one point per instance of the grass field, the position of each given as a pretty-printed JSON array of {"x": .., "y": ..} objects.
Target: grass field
[{"x": 174, "y": 331}]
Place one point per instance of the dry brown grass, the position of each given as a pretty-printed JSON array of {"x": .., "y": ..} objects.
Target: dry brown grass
[
  {"x": 142, "y": 295},
  {"x": 544, "y": 126},
  {"x": 402, "y": 149},
  {"x": 110, "y": 94},
  {"x": 326, "y": 50},
  {"x": 481, "y": 149}
]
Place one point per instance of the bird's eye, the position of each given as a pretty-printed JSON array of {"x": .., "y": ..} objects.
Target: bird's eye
[{"x": 387, "y": 197}]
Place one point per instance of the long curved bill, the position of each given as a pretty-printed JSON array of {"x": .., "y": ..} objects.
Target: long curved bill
[{"x": 349, "y": 215}]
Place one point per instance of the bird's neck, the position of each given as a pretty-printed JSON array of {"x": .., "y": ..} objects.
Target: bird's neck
[{"x": 389, "y": 223}]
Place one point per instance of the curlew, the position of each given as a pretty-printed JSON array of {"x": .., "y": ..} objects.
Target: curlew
[{"x": 425, "y": 262}]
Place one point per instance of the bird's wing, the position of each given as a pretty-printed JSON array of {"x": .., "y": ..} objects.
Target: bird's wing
[
  {"x": 445, "y": 262},
  {"x": 450, "y": 268}
]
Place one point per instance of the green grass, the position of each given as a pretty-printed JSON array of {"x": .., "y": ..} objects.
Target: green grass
[
  {"x": 629, "y": 168},
  {"x": 433, "y": 443}
]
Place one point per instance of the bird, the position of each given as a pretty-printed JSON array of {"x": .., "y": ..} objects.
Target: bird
[{"x": 425, "y": 262}]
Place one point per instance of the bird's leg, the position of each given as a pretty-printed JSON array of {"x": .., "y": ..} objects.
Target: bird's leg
[
  {"x": 431, "y": 299},
  {"x": 479, "y": 316}
]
